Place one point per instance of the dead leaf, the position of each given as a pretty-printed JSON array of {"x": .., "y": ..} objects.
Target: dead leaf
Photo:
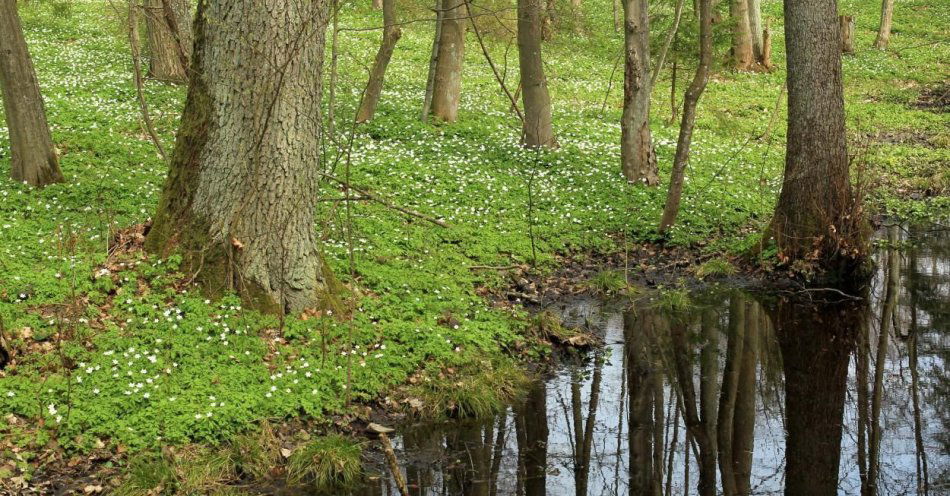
[{"x": 92, "y": 489}]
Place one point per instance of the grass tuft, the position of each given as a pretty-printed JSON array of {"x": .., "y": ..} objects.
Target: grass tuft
[{"x": 328, "y": 461}]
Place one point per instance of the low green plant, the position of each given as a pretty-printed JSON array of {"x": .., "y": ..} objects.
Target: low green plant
[
  {"x": 609, "y": 282},
  {"x": 716, "y": 267},
  {"x": 327, "y": 461},
  {"x": 148, "y": 474}
]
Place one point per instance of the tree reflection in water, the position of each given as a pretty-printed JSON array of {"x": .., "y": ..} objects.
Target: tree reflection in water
[{"x": 740, "y": 394}]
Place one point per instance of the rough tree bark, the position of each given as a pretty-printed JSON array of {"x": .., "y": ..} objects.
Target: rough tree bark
[
  {"x": 447, "y": 88},
  {"x": 538, "y": 131},
  {"x": 884, "y": 30},
  {"x": 34, "y": 157},
  {"x": 168, "y": 23},
  {"x": 240, "y": 196},
  {"x": 637, "y": 156},
  {"x": 742, "y": 54},
  {"x": 817, "y": 218},
  {"x": 690, "y": 101},
  {"x": 374, "y": 87}
]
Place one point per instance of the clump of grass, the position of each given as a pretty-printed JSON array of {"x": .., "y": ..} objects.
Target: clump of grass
[
  {"x": 255, "y": 454},
  {"x": 327, "y": 461},
  {"x": 479, "y": 390},
  {"x": 609, "y": 282},
  {"x": 148, "y": 474},
  {"x": 717, "y": 267},
  {"x": 203, "y": 470},
  {"x": 547, "y": 326},
  {"x": 674, "y": 300}
]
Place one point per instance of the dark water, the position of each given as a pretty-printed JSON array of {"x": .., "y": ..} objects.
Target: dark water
[{"x": 809, "y": 393}]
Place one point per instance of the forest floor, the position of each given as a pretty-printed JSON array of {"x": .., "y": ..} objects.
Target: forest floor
[{"x": 112, "y": 353}]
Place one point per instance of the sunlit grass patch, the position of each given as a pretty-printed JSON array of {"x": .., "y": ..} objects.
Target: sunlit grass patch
[{"x": 327, "y": 461}]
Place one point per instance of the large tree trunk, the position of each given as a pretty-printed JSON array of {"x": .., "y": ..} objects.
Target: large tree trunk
[
  {"x": 448, "y": 72},
  {"x": 742, "y": 55},
  {"x": 168, "y": 23},
  {"x": 690, "y": 102},
  {"x": 884, "y": 31},
  {"x": 240, "y": 197},
  {"x": 816, "y": 218},
  {"x": 34, "y": 158},
  {"x": 534, "y": 94},
  {"x": 637, "y": 157},
  {"x": 374, "y": 87}
]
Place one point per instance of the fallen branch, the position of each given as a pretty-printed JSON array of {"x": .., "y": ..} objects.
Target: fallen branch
[{"x": 378, "y": 199}]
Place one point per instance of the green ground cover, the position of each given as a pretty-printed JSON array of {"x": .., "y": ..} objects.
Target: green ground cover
[{"x": 116, "y": 349}]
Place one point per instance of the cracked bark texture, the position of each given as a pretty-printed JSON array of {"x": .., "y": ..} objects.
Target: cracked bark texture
[
  {"x": 34, "y": 157},
  {"x": 816, "y": 218},
  {"x": 169, "y": 45},
  {"x": 240, "y": 197},
  {"x": 637, "y": 156},
  {"x": 538, "y": 130},
  {"x": 447, "y": 88}
]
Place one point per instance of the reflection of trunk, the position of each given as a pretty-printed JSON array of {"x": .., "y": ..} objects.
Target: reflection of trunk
[
  {"x": 743, "y": 421},
  {"x": 690, "y": 102},
  {"x": 730, "y": 385},
  {"x": 533, "y": 450},
  {"x": 877, "y": 394},
  {"x": 421, "y": 441},
  {"x": 447, "y": 88},
  {"x": 498, "y": 452},
  {"x": 538, "y": 130},
  {"x": 696, "y": 426},
  {"x": 471, "y": 477},
  {"x": 709, "y": 374},
  {"x": 861, "y": 379},
  {"x": 584, "y": 431},
  {"x": 640, "y": 373},
  {"x": 913, "y": 277},
  {"x": 816, "y": 342},
  {"x": 374, "y": 87}
]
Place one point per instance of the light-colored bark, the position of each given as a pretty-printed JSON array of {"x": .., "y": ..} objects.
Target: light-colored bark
[
  {"x": 34, "y": 157},
  {"x": 884, "y": 30},
  {"x": 637, "y": 156},
  {"x": 374, "y": 86},
  {"x": 816, "y": 218},
  {"x": 742, "y": 55},
  {"x": 690, "y": 102},
  {"x": 756, "y": 28},
  {"x": 240, "y": 196},
  {"x": 538, "y": 130},
  {"x": 169, "y": 46},
  {"x": 847, "y": 33},
  {"x": 677, "y": 15},
  {"x": 447, "y": 88}
]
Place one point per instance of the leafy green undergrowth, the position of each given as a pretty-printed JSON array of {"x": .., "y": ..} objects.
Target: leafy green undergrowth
[{"x": 117, "y": 349}]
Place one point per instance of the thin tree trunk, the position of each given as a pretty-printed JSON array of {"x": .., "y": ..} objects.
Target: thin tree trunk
[
  {"x": 374, "y": 87},
  {"x": 165, "y": 45},
  {"x": 34, "y": 157},
  {"x": 447, "y": 88},
  {"x": 240, "y": 196},
  {"x": 677, "y": 14},
  {"x": 756, "y": 29},
  {"x": 884, "y": 30},
  {"x": 743, "y": 421},
  {"x": 817, "y": 217},
  {"x": 538, "y": 131},
  {"x": 730, "y": 388},
  {"x": 690, "y": 101},
  {"x": 637, "y": 156},
  {"x": 433, "y": 61}
]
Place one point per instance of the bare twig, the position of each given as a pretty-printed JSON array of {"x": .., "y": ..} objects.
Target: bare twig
[{"x": 137, "y": 70}]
